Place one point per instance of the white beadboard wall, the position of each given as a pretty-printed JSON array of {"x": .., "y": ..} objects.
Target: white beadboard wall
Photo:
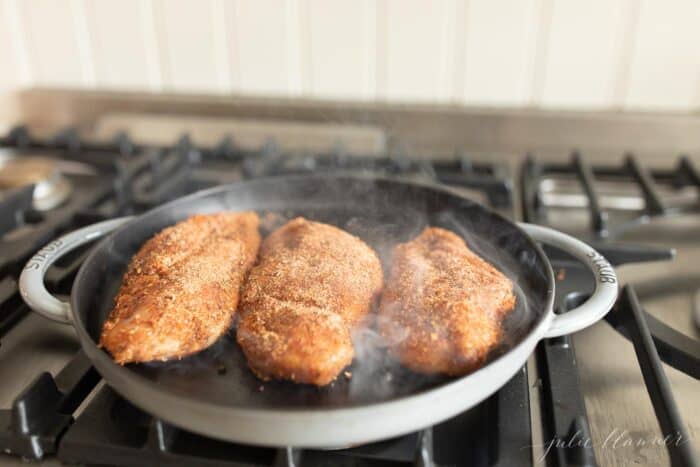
[{"x": 598, "y": 54}]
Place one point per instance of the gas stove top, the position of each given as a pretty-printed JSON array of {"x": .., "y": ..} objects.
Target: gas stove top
[{"x": 57, "y": 409}]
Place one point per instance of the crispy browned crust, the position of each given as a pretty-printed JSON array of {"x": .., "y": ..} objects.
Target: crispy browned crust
[
  {"x": 313, "y": 283},
  {"x": 443, "y": 305},
  {"x": 181, "y": 289}
]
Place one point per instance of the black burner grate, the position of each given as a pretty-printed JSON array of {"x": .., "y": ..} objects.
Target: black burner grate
[
  {"x": 645, "y": 332},
  {"x": 648, "y": 183}
]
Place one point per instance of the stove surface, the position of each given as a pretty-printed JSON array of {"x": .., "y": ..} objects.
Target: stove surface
[{"x": 514, "y": 427}]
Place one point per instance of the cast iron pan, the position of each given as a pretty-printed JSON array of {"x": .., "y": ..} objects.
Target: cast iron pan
[{"x": 192, "y": 391}]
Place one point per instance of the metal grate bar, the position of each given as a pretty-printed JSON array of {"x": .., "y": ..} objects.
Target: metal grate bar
[
  {"x": 424, "y": 449},
  {"x": 529, "y": 182},
  {"x": 566, "y": 420},
  {"x": 513, "y": 432},
  {"x": 679, "y": 447},
  {"x": 674, "y": 348},
  {"x": 585, "y": 175},
  {"x": 16, "y": 204},
  {"x": 13, "y": 309},
  {"x": 653, "y": 203},
  {"x": 42, "y": 412},
  {"x": 623, "y": 253},
  {"x": 70, "y": 141},
  {"x": 687, "y": 169}
]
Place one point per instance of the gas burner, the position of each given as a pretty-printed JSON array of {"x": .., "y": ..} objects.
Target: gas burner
[{"x": 51, "y": 187}]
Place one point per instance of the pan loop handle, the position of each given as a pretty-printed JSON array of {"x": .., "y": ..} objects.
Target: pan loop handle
[
  {"x": 31, "y": 281},
  {"x": 606, "y": 284}
]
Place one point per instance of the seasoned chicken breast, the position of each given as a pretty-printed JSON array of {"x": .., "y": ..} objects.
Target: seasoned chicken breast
[
  {"x": 443, "y": 305},
  {"x": 181, "y": 289},
  {"x": 312, "y": 284}
]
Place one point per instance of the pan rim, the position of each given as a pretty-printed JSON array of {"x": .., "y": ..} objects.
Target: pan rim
[{"x": 108, "y": 367}]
